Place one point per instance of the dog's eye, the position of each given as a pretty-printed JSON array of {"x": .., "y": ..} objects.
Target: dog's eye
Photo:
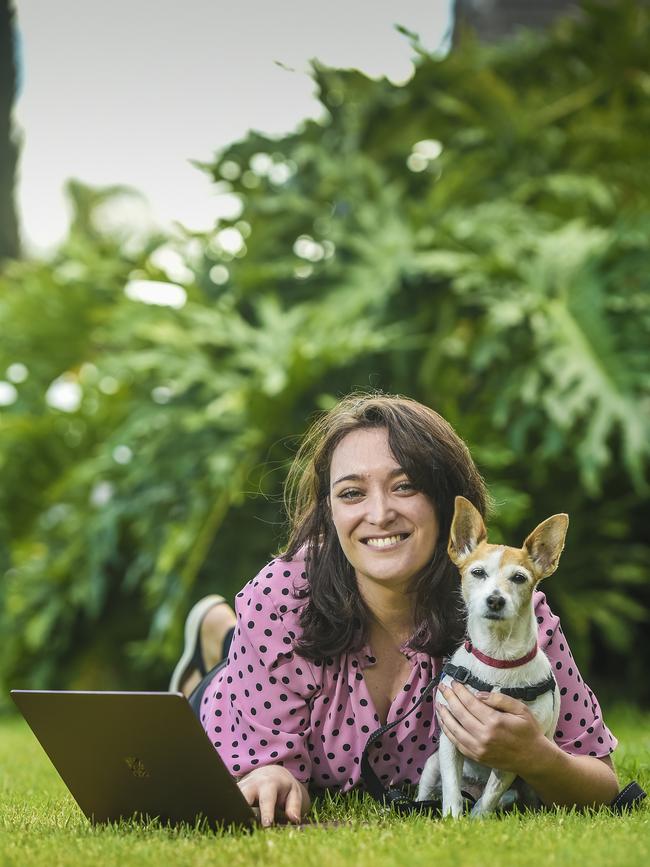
[
  {"x": 478, "y": 572},
  {"x": 518, "y": 578}
]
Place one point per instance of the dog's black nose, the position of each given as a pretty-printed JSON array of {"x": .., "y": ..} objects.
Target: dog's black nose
[{"x": 495, "y": 602}]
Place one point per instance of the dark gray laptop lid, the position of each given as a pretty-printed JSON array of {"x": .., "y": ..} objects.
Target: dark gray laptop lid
[{"x": 134, "y": 753}]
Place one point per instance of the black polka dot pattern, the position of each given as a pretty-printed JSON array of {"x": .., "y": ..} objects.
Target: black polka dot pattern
[
  {"x": 580, "y": 729},
  {"x": 271, "y": 706}
]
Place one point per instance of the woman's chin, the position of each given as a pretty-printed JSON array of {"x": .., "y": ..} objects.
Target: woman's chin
[{"x": 390, "y": 571}]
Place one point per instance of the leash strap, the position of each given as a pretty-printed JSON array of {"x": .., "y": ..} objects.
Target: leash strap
[
  {"x": 392, "y": 797},
  {"x": 524, "y": 693}
]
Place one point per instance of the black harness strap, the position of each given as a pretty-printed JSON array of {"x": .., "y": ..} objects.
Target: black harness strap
[{"x": 524, "y": 693}]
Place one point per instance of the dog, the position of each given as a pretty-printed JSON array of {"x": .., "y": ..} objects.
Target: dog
[{"x": 501, "y": 652}]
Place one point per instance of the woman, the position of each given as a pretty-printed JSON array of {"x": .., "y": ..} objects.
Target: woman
[{"x": 343, "y": 631}]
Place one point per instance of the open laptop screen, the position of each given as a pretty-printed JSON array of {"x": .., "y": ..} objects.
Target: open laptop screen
[{"x": 125, "y": 754}]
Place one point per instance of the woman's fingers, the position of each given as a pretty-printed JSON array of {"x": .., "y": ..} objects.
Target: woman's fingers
[
  {"x": 468, "y": 710},
  {"x": 275, "y": 788},
  {"x": 493, "y": 729},
  {"x": 267, "y": 799},
  {"x": 248, "y": 790},
  {"x": 293, "y": 804},
  {"x": 262, "y": 794},
  {"x": 504, "y": 703}
]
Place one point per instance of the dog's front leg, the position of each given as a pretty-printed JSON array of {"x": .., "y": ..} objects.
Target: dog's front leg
[
  {"x": 451, "y": 769},
  {"x": 430, "y": 779},
  {"x": 496, "y": 785}
]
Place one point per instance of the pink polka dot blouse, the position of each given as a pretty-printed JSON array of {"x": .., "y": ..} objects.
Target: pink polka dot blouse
[{"x": 268, "y": 705}]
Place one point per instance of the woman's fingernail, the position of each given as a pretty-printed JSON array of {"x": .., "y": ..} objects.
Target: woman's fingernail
[
  {"x": 482, "y": 695},
  {"x": 266, "y": 821}
]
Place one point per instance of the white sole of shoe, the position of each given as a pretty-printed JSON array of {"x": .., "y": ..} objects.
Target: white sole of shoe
[{"x": 192, "y": 637}]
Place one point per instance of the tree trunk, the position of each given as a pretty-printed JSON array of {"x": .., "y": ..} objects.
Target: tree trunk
[{"x": 9, "y": 241}]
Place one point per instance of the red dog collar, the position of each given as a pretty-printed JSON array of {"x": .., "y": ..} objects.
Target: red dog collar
[{"x": 500, "y": 663}]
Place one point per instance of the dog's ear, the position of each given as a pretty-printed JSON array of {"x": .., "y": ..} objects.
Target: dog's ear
[
  {"x": 545, "y": 544},
  {"x": 467, "y": 530}
]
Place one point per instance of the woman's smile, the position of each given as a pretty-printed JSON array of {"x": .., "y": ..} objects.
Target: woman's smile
[{"x": 384, "y": 543}]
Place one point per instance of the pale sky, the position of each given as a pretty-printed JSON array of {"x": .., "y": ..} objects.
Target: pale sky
[{"x": 128, "y": 91}]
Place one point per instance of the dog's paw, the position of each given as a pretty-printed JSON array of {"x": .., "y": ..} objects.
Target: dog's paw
[
  {"x": 453, "y": 808},
  {"x": 481, "y": 809}
]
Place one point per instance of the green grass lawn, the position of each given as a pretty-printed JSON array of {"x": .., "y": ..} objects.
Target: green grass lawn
[{"x": 40, "y": 824}]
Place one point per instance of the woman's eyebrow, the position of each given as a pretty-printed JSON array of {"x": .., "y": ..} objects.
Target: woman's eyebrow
[{"x": 355, "y": 477}]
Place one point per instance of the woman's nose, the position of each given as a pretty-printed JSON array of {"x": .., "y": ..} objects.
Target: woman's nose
[{"x": 380, "y": 509}]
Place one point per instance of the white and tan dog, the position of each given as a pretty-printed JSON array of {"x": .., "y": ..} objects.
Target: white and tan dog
[{"x": 497, "y": 584}]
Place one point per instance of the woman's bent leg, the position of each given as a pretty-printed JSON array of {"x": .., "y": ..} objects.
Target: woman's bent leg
[
  {"x": 196, "y": 696},
  {"x": 206, "y": 629}
]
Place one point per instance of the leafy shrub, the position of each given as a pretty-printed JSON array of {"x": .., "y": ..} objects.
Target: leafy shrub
[{"x": 476, "y": 239}]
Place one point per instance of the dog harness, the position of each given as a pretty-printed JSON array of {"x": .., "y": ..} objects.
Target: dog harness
[
  {"x": 524, "y": 693},
  {"x": 631, "y": 796},
  {"x": 394, "y": 798}
]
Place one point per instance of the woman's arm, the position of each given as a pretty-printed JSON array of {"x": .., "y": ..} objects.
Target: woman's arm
[
  {"x": 257, "y": 712},
  {"x": 500, "y": 732},
  {"x": 559, "y": 778}
]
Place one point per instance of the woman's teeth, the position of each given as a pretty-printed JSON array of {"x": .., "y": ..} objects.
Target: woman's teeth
[{"x": 386, "y": 541}]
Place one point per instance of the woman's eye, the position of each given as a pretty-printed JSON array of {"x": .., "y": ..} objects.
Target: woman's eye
[
  {"x": 518, "y": 578},
  {"x": 350, "y": 494},
  {"x": 405, "y": 486},
  {"x": 478, "y": 572}
]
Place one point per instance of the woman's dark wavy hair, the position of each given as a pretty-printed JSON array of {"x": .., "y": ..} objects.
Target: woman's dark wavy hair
[{"x": 436, "y": 460}]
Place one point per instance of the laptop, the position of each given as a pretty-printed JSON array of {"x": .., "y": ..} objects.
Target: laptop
[{"x": 135, "y": 755}]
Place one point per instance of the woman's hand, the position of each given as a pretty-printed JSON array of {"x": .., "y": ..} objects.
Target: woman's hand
[
  {"x": 501, "y": 732},
  {"x": 493, "y": 729},
  {"x": 274, "y": 787}
]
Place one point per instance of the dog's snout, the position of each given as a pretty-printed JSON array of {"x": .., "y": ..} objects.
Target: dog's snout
[{"x": 495, "y": 601}]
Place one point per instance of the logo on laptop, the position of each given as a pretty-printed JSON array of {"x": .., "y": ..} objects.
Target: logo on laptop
[{"x": 137, "y": 768}]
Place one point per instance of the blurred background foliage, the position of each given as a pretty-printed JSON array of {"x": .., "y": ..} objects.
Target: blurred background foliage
[{"x": 476, "y": 239}]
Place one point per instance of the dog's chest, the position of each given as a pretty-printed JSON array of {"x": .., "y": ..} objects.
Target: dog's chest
[{"x": 545, "y": 707}]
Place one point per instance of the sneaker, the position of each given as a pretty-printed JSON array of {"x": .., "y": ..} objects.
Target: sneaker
[{"x": 192, "y": 658}]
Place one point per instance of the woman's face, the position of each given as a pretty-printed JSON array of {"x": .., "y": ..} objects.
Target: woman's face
[{"x": 387, "y": 529}]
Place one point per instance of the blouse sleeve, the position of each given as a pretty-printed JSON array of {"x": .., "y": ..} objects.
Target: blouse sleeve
[
  {"x": 264, "y": 693},
  {"x": 580, "y": 728}
]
